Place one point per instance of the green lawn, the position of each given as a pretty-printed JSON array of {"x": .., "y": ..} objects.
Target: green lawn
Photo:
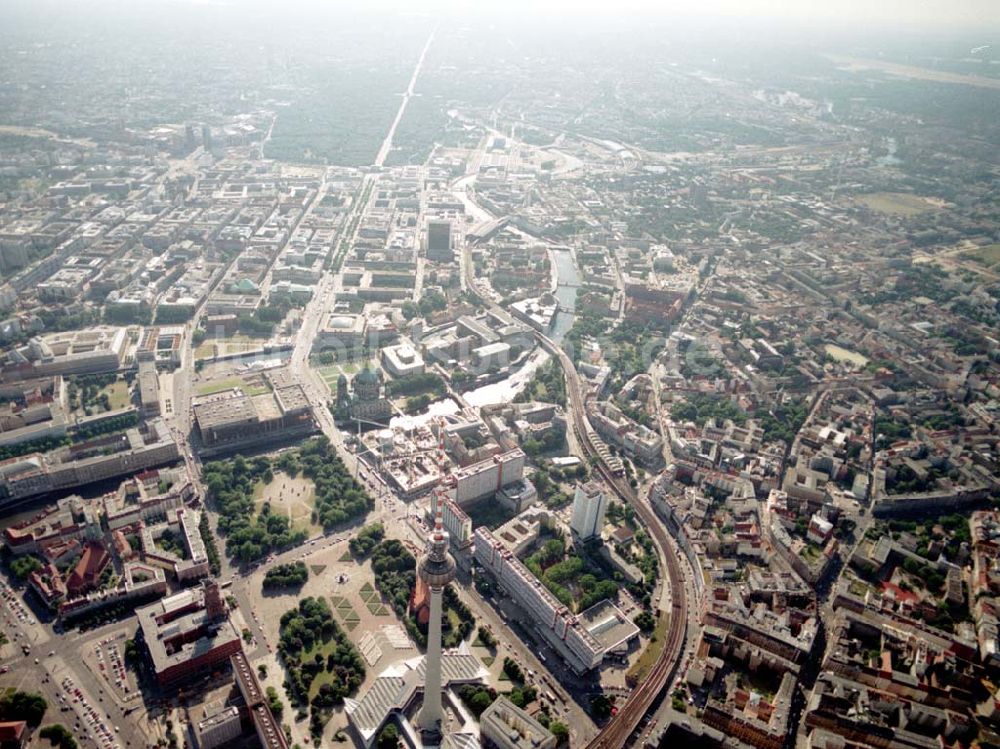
[
  {"x": 858, "y": 588},
  {"x": 355, "y": 367},
  {"x": 845, "y": 355},
  {"x": 242, "y": 338},
  {"x": 297, "y": 508},
  {"x": 217, "y": 386},
  {"x": 640, "y": 670},
  {"x": 488, "y": 512},
  {"x": 453, "y": 618},
  {"x": 895, "y": 203},
  {"x": 324, "y": 676},
  {"x": 329, "y": 374},
  {"x": 205, "y": 351},
  {"x": 118, "y": 394},
  {"x": 810, "y": 552},
  {"x": 988, "y": 255},
  {"x": 118, "y": 397},
  {"x": 346, "y": 612}
]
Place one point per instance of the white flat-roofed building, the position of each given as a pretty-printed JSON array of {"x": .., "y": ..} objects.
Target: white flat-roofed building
[
  {"x": 64, "y": 284},
  {"x": 609, "y": 625},
  {"x": 145, "y": 446},
  {"x": 560, "y": 628},
  {"x": 487, "y": 477},
  {"x": 520, "y": 532},
  {"x": 88, "y": 351},
  {"x": 402, "y": 360},
  {"x": 457, "y": 523},
  {"x": 396, "y": 690},
  {"x": 491, "y": 355},
  {"x": 340, "y": 331},
  {"x": 149, "y": 387},
  {"x": 537, "y": 313},
  {"x": 219, "y": 726},
  {"x": 503, "y": 725}
]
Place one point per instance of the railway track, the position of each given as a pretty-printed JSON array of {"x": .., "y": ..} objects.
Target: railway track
[
  {"x": 620, "y": 728},
  {"x": 617, "y": 731}
]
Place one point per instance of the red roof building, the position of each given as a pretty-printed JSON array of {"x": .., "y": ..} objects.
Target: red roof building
[
  {"x": 47, "y": 582},
  {"x": 87, "y": 573},
  {"x": 13, "y": 734},
  {"x": 420, "y": 601}
]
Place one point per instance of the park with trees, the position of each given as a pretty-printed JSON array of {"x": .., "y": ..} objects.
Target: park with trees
[
  {"x": 252, "y": 533},
  {"x": 59, "y": 736},
  {"x": 322, "y": 665},
  {"x": 575, "y": 580},
  {"x": 289, "y": 575},
  {"x": 27, "y": 706},
  {"x": 364, "y": 542}
]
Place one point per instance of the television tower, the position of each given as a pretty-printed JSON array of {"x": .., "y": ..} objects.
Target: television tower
[{"x": 436, "y": 569}]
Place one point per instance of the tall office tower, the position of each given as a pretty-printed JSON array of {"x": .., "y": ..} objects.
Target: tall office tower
[
  {"x": 439, "y": 245},
  {"x": 436, "y": 569},
  {"x": 190, "y": 141},
  {"x": 589, "y": 506}
]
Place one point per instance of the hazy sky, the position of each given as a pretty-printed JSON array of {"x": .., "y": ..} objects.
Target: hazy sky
[
  {"x": 982, "y": 16},
  {"x": 964, "y": 13}
]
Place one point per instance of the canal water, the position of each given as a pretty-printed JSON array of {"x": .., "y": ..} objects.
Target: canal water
[
  {"x": 568, "y": 281},
  {"x": 890, "y": 158}
]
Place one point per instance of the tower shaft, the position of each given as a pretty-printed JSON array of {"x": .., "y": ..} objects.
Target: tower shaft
[{"x": 431, "y": 716}]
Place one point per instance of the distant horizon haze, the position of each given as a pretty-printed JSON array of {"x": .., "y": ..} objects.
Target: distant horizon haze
[{"x": 861, "y": 16}]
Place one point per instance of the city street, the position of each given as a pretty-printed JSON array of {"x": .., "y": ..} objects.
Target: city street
[{"x": 59, "y": 658}]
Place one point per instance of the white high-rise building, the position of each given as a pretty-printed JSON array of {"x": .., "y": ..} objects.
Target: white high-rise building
[{"x": 589, "y": 505}]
